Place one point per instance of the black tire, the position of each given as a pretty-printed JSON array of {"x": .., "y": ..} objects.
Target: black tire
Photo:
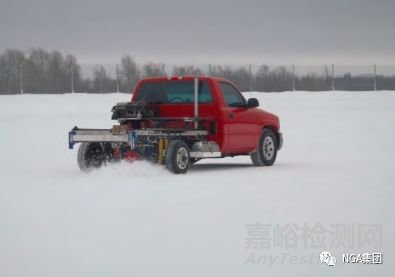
[
  {"x": 177, "y": 157},
  {"x": 255, "y": 160},
  {"x": 266, "y": 152},
  {"x": 91, "y": 155}
]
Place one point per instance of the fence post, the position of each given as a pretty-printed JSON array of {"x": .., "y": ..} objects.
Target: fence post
[
  {"x": 21, "y": 78},
  {"x": 72, "y": 77},
  {"x": 293, "y": 77},
  {"x": 116, "y": 72},
  {"x": 250, "y": 77},
  {"x": 333, "y": 77},
  {"x": 375, "y": 78}
]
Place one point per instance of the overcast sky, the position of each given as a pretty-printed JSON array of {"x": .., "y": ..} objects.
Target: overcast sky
[{"x": 205, "y": 31}]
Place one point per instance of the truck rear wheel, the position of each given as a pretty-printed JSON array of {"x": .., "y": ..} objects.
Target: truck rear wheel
[
  {"x": 177, "y": 157},
  {"x": 91, "y": 155},
  {"x": 266, "y": 152}
]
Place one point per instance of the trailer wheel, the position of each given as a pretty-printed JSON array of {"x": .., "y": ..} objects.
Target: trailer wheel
[
  {"x": 91, "y": 155},
  {"x": 266, "y": 152},
  {"x": 177, "y": 157}
]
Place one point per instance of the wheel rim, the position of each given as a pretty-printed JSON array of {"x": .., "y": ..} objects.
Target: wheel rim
[
  {"x": 182, "y": 158},
  {"x": 268, "y": 148}
]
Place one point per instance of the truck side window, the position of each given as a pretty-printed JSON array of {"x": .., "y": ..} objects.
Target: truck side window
[{"x": 232, "y": 96}]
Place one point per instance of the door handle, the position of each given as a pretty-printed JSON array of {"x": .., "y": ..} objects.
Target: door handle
[{"x": 231, "y": 115}]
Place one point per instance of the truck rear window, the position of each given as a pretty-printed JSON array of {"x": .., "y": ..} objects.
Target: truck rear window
[{"x": 173, "y": 92}]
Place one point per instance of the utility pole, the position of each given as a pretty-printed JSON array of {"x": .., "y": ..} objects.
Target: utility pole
[
  {"x": 21, "y": 78},
  {"x": 163, "y": 69},
  {"x": 333, "y": 77},
  {"x": 375, "y": 78},
  {"x": 293, "y": 77},
  {"x": 117, "y": 78},
  {"x": 209, "y": 69}
]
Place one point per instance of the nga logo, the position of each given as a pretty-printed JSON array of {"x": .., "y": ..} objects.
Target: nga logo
[{"x": 326, "y": 257}]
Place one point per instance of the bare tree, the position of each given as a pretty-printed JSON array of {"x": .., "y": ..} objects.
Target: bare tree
[
  {"x": 36, "y": 71},
  {"x": 188, "y": 70},
  {"x": 101, "y": 82},
  {"x": 129, "y": 74},
  {"x": 153, "y": 70},
  {"x": 74, "y": 73},
  {"x": 57, "y": 73},
  {"x": 11, "y": 65}
]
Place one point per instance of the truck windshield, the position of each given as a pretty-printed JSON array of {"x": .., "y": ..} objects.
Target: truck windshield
[{"x": 173, "y": 91}]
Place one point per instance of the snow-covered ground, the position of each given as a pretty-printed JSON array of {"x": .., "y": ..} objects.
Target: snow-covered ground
[{"x": 336, "y": 167}]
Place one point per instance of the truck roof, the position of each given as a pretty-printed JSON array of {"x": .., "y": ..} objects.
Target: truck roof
[{"x": 188, "y": 78}]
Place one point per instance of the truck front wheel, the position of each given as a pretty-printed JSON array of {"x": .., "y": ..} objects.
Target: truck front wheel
[
  {"x": 266, "y": 152},
  {"x": 177, "y": 157}
]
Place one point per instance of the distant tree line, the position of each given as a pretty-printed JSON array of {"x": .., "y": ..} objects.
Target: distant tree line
[{"x": 42, "y": 71}]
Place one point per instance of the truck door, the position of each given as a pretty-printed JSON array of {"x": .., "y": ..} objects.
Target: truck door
[{"x": 240, "y": 126}]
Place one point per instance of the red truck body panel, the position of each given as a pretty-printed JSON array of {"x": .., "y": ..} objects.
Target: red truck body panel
[{"x": 238, "y": 129}]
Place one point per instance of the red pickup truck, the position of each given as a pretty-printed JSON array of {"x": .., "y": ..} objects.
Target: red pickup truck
[{"x": 176, "y": 121}]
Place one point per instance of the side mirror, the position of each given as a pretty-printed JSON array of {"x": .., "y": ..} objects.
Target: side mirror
[{"x": 252, "y": 103}]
